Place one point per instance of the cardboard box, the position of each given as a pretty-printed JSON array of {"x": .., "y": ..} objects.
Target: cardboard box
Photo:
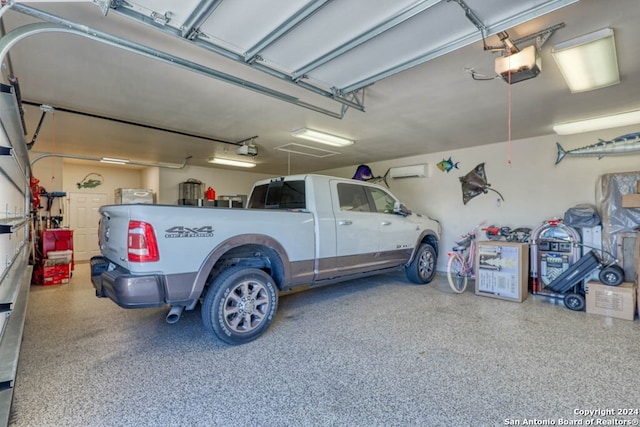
[
  {"x": 123, "y": 196},
  {"x": 58, "y": 257},
  {"x": 612, "y": 301},
  {"x": 631, "y": 200},
  {"x": 56, "y": 274},
  {"x": 502, "y": 270},
  {"x": 636, "y": 257}
]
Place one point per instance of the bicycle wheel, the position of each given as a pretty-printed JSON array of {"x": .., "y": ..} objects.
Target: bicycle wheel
[{"x": 457, "y": 280}]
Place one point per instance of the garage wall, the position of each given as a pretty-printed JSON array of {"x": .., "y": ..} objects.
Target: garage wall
[
  {"x": 534, "y": 188},
  {"x": 113, "y": 178},
  {"x": 48, "y": 170},
  {"x": 56, "y": 174},
  {"x": 224, "y": 182},
  {"x": 151, "y": 180}
]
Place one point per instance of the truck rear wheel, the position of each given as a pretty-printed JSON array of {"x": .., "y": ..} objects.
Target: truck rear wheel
[
  {"x": 423, "y": 267},
  {"x": 240, "y": 304}
]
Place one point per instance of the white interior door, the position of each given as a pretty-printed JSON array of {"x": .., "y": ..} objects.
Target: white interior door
[{"x": 83, "y": 220}]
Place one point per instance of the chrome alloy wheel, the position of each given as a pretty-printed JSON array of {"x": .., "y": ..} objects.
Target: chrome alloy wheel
[
  {"x": 426, "y": 264},
  {"x": 246, "y": 306}
]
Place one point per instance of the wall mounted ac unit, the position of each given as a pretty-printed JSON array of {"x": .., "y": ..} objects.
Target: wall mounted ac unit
[{"x": 413, "y": 171}]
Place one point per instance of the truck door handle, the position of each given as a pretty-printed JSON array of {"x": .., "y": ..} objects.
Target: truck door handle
[
  {"x": 344, "y": 222},
  {"x": 385, "y": 223}
]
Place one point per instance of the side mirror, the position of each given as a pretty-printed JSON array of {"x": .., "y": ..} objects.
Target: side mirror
[{"x": 400, "y": 209}]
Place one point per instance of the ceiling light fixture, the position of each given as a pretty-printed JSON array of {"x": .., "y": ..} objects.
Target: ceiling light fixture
[
  {"x": 323, "y": 138},
  {"x": 229, "y": 162},
  {"x": 598, "y": 123},
  {"x": 588, "y": 62},
  {"x": 114, "y": 161}
]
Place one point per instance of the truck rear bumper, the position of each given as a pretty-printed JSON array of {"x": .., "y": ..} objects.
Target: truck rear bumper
[{"x": 126, "y": 289}]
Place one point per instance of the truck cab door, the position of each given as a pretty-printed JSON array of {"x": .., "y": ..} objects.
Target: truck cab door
[
  {"x": 357, "y": 229},
  {"x": 398, "y": 233}
]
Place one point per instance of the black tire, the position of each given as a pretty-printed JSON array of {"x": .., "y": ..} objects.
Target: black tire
[
  {"x": 574, "y": 301},
  {"x": 240, "y": 304},
  {"x": 612, "y": 275},
  {"x": 422, "y": 269}
]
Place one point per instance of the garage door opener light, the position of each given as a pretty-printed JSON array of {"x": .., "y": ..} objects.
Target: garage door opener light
[{"x": 519, "y": 66}]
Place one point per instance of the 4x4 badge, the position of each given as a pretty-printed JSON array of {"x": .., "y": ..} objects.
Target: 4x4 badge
[{"x": 181, "y": 231}]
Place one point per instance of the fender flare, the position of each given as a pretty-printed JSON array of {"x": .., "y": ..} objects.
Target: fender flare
[
  {"x": 282, "y": 270},
  {"x": 423, "y": 236}
]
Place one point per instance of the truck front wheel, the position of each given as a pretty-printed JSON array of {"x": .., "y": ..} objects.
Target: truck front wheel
[
  {"x": 240, "y": 304},
  {"x": 423, "y": 267}
]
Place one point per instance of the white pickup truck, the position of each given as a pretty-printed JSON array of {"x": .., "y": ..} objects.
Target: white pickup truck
[{"x": 303, "y": 230}]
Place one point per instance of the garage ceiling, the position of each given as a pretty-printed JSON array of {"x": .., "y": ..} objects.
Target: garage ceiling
[{"x": 159, "y": 80}]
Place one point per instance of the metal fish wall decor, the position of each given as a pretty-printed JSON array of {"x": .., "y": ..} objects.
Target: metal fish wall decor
[
  {"x": 87, "y": 182},
  {"x": 624, "y": 144},
  {"x": 475, "y": 183},
  {"x": 364, "y": 173},
  {"x": 447, "y": 164}
]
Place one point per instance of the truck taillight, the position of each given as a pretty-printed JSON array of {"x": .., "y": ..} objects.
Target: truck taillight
[{"x": 141, "y": 242}]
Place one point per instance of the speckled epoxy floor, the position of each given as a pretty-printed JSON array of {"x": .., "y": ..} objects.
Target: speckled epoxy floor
[{"x": 372, "y": 352}]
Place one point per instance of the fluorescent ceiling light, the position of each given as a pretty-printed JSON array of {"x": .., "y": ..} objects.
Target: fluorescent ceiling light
[
  {"x": 588, "y": 62},
  {"x": 114, "y": 161},
  {"x": 597, "y": 123},
  {"x": 230, "y": 162},
  {"x": 324, "y": 138}
]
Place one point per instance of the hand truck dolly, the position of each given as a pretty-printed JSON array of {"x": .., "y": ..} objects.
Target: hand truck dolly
[{"x": 571, "y": 282}]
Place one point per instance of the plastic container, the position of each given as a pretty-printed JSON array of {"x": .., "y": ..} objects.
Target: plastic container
[{"x": 210, "y": 194}]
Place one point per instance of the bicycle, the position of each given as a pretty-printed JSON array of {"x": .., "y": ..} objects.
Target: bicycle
[{"x": 461, "y": 264}]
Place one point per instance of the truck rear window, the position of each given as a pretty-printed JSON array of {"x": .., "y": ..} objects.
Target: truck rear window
[
  {"x": 258, "y": 196},
  {"x": 279, "y": 195}
]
